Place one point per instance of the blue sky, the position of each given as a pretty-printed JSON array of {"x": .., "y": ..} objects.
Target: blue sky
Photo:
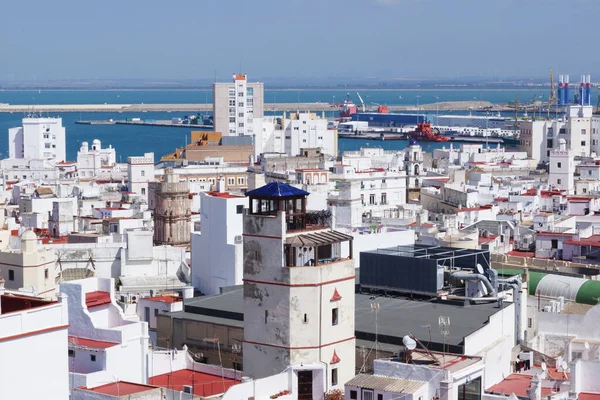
[{"x": 186, "y": 39}]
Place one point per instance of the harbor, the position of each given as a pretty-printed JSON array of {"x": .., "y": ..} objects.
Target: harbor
[
  {"x": 161, "y": 123},
  {"x": 399, "y": 136},
  {"x": 452, "y": 106}
]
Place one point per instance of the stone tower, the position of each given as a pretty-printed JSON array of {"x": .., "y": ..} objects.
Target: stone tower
[
  {"x": 172, "y": 212},
  {"x": 298, "y": 289}
]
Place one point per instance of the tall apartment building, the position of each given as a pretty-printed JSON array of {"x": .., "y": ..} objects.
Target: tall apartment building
[
  {"x": 38, "y": 138},
  {"x": 236, "y": 104},
  {"x": 578, "y": 129}
]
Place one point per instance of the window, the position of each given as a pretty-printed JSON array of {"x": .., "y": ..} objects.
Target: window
[
  {"x": 93, "y": 357},
  {"x": 367, "y": 394},
  {"x": 241, "y": 115},
  {"x": 589, "y": 171},
  {"x": 143, "y": 173},
  {"x": 240, "y": 209},
  {"x": 250, "y": 91},
  {"x": 584, "y": 190},
  {"x": 241, "y": 125},
  {"x": 143, "y": 190},
  {"x": 156, "y": 312},
  {"x": 583, "y": 142},
  {"x": 470, "y": 390},
  {"x": 11, "y": 275},
  {"x": 380, "y": 397},
  {"x": 250, "y": 102},
  {"x": 383, "y": 198},
  {"x": 47, "y": 145},
  {"x": 305, "y": 320},
  {"x": 241, "y": 104},
  {"x": 46, "y": 273},
  {"x": 238, "y": 366},
  {"x": 353, "y": 395},
  {"x": 575, "y": 355},
  {"x": 240, "y": 181},
  {"x": 334, "y": 379},
  {"x": 530, "y": 322},
  {"x": 334, "y": 316},
  {"x": 240, "y": 94},
  {"x": 266, "y": 315},
  {"x": 371, "y": 199},
  {"x": 549, "y": 143},
  {"x": 230, "y": 181},
  {"x": 147, "y": 314},
  {"x": 559, "y": 181},
  {"x": 71, "y": 353},
  {"x": 558, "y": 165},
  {"x": 583, "y": 132}
]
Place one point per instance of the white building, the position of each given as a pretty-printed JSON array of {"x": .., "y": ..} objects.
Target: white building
[
  {"x": 38, "y": 138},
  {"x": 32, "y": 326},
  {"x": 236, "y": 104},
  {"x": 294, "y": 314},
  {"x": 140, "y": 171},
  {"x": 429, "y": 375},
  {"x": 29, "y": 268},
  {"x": 290, "y": 134},
  {"x": 104, "y": 345},
  {"x": 577, "y": 129},
  {"x": 217, "y": 250},
  {"x": 91, "y": 161},
  {"x": 562, "y": 168}
]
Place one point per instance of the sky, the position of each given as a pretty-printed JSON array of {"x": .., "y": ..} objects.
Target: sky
[{"x": 44, "y": 40}]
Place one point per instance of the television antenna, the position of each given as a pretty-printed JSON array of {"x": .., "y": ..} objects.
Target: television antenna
[
  {"x": 375, "y": 309},
  {"x": 444, "y": 323}
]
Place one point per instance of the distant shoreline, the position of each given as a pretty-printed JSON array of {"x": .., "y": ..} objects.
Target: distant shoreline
[{"x": 291, "y": 89}]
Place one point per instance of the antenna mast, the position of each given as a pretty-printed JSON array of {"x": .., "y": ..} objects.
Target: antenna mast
[{"x": 375, "y": 309}]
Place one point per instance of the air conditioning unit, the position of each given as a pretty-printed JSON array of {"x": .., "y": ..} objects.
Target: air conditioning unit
[{"x": 188, "y": 389}]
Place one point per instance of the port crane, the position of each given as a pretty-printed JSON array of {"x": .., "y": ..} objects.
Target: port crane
[
  {"x": 552, "y": 98},
  {"x": 361, "y": 102}
]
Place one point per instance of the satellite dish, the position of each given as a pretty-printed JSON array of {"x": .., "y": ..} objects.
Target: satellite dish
[
  {"x": 479, "y": 269},
  {"x": 586, "y": 345},
  {"x": 544, "y": 366},
  {"x": 409, "y": 342}
]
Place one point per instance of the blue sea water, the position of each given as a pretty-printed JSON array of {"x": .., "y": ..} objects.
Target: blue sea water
[{"x": 136, "y": 140}]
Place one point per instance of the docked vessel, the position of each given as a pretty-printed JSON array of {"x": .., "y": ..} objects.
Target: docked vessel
[{"x": 424, "y": 133}]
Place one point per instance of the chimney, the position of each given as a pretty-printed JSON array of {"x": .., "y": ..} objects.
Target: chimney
[{"x": 221, "y": 185}]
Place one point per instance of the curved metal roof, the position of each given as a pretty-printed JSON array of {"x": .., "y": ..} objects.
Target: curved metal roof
[{"x": 557, "y": 285}]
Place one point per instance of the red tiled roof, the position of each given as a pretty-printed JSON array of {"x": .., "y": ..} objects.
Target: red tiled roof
[
  {"x": 517, "y": 384},
  {"x": 423, "y": 224},
  {"x": 501, "y": 199},
  {"x": 119, "y": 388},
  {"x": 593, "y": 240},
  {"x": 486, "y": 207},
  {"x": 521, "y": 253},
  {"x": 223, "y": 195},
  {"x": 95, "y": 299},
  {"x": 204, "y": 384},
  {"x": 94, "y": 344},
  {"x": 66, "y": 163},
  {"x": 488, "y": 239},
  {"x": 588, "y": 396},
  {"x": 568, "y": 235},
  {"x": 12, "y": 303},
  {"x": 164, "y": 299}
]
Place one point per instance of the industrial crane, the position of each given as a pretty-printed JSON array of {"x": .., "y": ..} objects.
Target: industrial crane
[
  {"x": 552, "y": 97},
  {"x": 361, "y": 102}
]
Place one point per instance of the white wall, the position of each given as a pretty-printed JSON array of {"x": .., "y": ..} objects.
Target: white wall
[
  {"x": 27, "y": 329},
  {"x": 217, "y": 250}
]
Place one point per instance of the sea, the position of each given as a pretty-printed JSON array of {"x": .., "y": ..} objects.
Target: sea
[{"x": 137, "y": 140}]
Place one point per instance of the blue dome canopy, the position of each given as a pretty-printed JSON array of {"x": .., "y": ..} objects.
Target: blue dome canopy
[{"x": 277, "y": 189}]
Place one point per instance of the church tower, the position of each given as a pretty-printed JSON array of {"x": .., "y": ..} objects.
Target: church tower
[
  {"x": 562, "y": 168},
  {"x": 298, "y": 288},
  {"x": 172, "y": 214}
]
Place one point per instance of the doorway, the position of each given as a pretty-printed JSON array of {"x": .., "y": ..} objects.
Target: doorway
[{"x": 305, "y": 385}]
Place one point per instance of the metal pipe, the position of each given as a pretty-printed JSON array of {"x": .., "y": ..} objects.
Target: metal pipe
[{"x": 476, "y": 277}]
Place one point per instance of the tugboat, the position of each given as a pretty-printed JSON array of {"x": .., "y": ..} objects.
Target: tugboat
[{"x": 424, "y": 133}]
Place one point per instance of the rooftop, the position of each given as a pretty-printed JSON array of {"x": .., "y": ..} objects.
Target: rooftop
[
  {"x": 227, "y": 309},
  {"x": 13, "y": 303},
  {"x": 518, "y": 384},
  {"x": 385, "y": 384},
  {"x": 92, "y": 344},
  {"x": 164, "y": 299},
  {"x": 96, "y": 299},
  {"x": 119, "y": 388},
  {"x": 203, "y": 384}
]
